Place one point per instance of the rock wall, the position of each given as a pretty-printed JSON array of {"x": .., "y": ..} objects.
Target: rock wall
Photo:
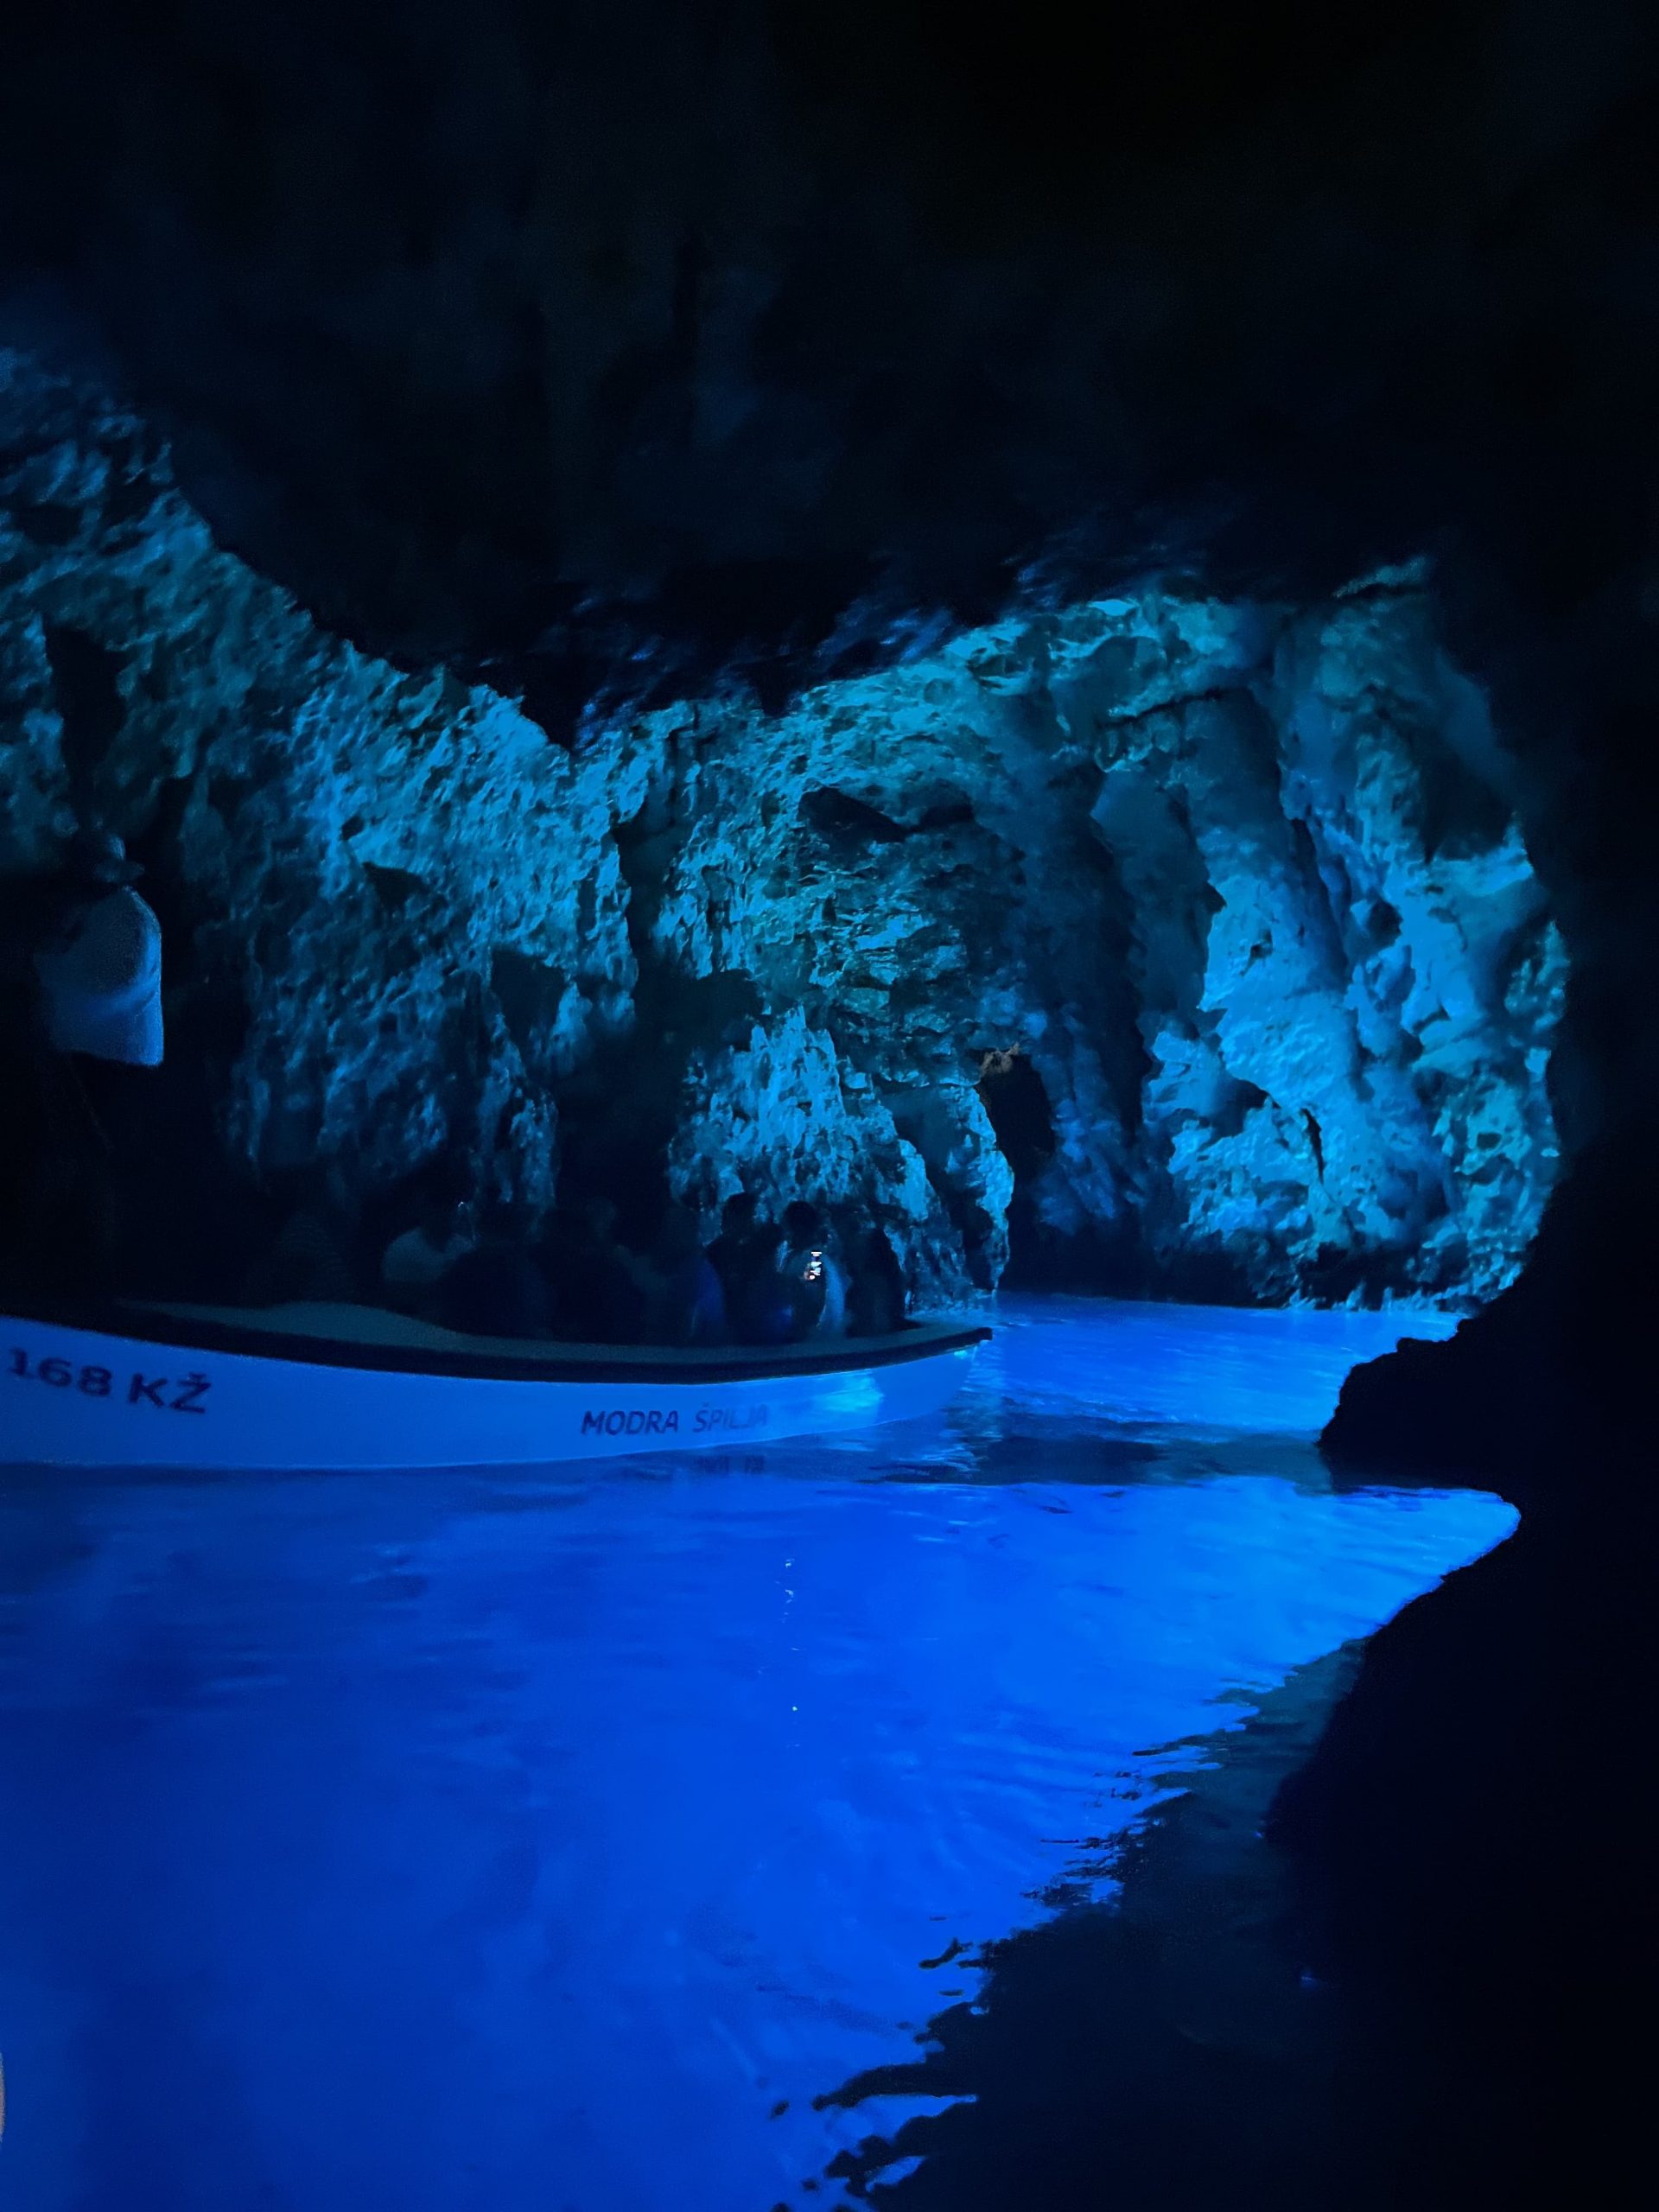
[{"x": 1234, "y": 890}]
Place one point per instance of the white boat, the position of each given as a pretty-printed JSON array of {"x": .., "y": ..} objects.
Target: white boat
[{"x": 337, "y": 1386}]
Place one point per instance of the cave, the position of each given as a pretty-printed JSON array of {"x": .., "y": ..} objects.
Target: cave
[
  {"x": 1042, "y": 639},
  {"x": 1022, "y": 1121}
]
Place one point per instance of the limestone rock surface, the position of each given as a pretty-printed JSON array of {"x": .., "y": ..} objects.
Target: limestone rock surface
[{"x": 1228, "y": 898}]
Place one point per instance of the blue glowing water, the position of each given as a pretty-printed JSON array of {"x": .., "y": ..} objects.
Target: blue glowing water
[{"x": 433, "y": 1844}]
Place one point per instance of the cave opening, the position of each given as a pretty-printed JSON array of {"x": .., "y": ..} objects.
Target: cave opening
[
  {"x": 86, "y": 689},
  {"x": 1017, "y": 1104},
  {"x": 1021, "y": 1115}
]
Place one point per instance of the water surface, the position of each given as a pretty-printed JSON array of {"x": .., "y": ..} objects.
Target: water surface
[{"x": 548, "y": 1843}]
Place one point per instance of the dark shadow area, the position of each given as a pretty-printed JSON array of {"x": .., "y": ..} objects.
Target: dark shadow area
[
  {"x": 86, "y": 688},
  {"x": 1473, "y": 1833},
  {"x": 1011, "y": 1093},
  {"x": 1017, "y": 1106},
  {"x": 1472, "y": 1843},
  {"x": 767, "y": 337},
  {"x": 1043, "y": 1452},
  {"x": 843, "y": 820},
  {"x": 1165, "y": 2050}
]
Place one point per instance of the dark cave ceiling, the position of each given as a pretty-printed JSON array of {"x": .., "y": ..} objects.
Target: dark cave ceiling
[{"x": 737, "y": 334}]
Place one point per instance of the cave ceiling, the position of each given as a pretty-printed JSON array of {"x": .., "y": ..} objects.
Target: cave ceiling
[{"x": 608, "y": 348}]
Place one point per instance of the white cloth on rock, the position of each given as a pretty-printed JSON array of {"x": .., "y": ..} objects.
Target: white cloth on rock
[{"x": 102, "y": 982}]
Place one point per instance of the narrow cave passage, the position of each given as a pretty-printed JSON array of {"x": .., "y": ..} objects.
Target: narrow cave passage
[
  {"x": 1013, "y": 1095},
  {"x": 1022, "y": 1118}
]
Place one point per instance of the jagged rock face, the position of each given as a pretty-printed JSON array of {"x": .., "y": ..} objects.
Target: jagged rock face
[
  {"x": 1234, "y": 891},
  {"x": 1346, "y": 983}
]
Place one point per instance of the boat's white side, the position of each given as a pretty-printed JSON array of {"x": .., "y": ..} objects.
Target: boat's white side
[{"x": 91, "y": 1397}]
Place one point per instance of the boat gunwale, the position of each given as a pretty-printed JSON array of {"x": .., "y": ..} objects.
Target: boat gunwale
[{"x": 618, "y": 1365}]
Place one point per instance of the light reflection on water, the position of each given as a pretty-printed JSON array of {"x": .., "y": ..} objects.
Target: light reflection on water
[{"x": 444, "y": 1843}]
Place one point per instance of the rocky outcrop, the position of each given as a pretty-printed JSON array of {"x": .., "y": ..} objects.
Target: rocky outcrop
[
  {"x": 1345, "y": 980},
  {"x": 1234, "y": 891}
]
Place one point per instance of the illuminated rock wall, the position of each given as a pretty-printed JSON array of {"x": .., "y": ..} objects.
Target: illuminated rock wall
[{"x": 1240, "y": 885}]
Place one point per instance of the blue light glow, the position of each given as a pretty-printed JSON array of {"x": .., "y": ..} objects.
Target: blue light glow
[{"x": 445, "y": 1844}]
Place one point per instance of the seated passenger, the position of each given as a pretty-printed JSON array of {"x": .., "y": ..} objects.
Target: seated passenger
[
  {"x": 311, "y": 1259},
  {"x": 742, "y": 1256},
  {"x": 811, "y": 1277},
  {"x": 414, "y": 1264},
  {"x": 496, "y": 1289},
  {"x": 875, "y": 1297},
  {"x": 599, "y": 1294},
  {"x": 687, "y": 1304}
]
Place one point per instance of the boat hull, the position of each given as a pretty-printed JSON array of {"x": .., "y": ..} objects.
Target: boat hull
[{"x": 73, "y": 1396}]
